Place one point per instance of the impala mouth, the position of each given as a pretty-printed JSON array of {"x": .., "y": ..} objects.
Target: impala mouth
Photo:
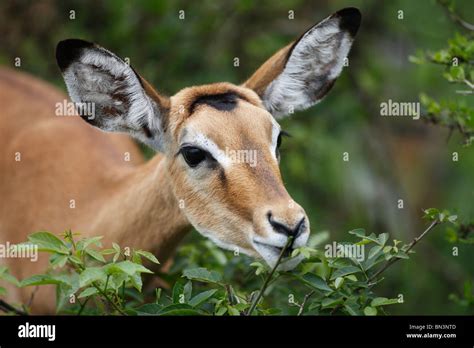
[
  {"x": 275, "y": 249},
  {"x": 270, "y": 249}
]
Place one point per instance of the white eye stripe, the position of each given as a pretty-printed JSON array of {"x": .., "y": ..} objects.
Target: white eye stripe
[
  {"x": 203, "y": 142},
  {"x": 276, "y": 129}
]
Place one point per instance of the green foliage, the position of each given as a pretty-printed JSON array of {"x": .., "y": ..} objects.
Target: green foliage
[
  {"x": 458, "y": 61},
  {"x": 173, "y": 54},
  {"x": 337, "y": 281}
]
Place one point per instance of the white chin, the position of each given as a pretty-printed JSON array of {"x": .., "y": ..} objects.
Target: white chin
[{"x": 270, "y": 255}]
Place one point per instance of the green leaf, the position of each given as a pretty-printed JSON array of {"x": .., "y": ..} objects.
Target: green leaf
[
  {"x": 370, "y": 311},
  {"x": 203, "y": 275},
  {"x": 117, "y": 252},
  {"x": 5, "y": 275},
  {"x": 375, "y": 250},
  {"x": 383, "y": 301},
  {"x": 188, "y": 290},
  {"x": 108, "y": 251},
  {"x": 401, "y": 255},
  {"x": 136, "y": 281},
  {"x": 84, "y": 243},
  {"x": 345, "y": 271},
  {"x": 88, "y": 292},
  {"x": 48, "y": 242},
  {"x": 338, "y": 282},
  {"x": 127, "y": 267},
  {"x": 58, "y": 260},
  {"x": 315, "y": 282},
  {"x": 178, "y": 290},
  {"x": 179, "y": 309},
  {"x": 148, "y": 256},
  {"x": 352, "y": 309},
  {"x": 40, "y": 279},
  {"x": 202, "y": 297},
  {"x": 90, "y": 275},
  {"x": 219, "y": 256},
  {"x": 383, "y": 237},
  {"x": 95, "y": 254},
  {"x": 359, "y": 232},
  {"x": 233, "y": 311},
  {"x": 331, "y": 302},
  {"x": 149, "y": 309},
  {"x": 221, "y": 311}
]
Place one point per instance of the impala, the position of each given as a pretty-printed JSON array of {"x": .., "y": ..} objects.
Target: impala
[{"x": 61, "y": 173}]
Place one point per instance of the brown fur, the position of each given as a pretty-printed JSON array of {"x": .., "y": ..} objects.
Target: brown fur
[{"x": 131, "y": 203}]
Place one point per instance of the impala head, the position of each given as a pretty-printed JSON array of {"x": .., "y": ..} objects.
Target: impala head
[{"x": 220, "y": 140}]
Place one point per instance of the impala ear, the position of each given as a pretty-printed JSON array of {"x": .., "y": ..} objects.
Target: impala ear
[
  {"x": 122, "y": 100},
  {"x": 300, "y": 74}
]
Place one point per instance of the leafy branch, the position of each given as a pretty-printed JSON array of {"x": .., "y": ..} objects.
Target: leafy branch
[{"x": 269, "y": 276}]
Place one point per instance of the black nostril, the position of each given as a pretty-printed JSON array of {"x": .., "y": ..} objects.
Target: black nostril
[{"x": 284, "y": 229}]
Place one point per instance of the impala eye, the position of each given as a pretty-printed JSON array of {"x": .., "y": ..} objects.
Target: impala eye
[
  {"x": 280, "y": 136},
  {"x": 193, "y": 155}
]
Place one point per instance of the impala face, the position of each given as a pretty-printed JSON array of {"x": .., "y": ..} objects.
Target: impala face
[{"x": 221, "y": 141}]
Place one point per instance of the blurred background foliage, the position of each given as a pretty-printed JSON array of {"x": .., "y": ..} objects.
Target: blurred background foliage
[{"x": 391, "y": 158}]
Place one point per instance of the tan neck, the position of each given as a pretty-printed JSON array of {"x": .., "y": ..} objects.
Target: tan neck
[{"x": 143, "y": 213}]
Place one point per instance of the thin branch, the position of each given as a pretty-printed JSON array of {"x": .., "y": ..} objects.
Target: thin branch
[
  {"x": 32, "y": 297},
  {"x": 410, "y": 246},
  {"x": 303, "y": 304},
  {"x": 83, "y": 305},
  {"x": 269, "y": 277},
  {"x": 455, "y": 17},
  {"x": 7, "y": 308}
]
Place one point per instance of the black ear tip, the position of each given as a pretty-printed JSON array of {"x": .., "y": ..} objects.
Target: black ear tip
[
  {"x": 70, "y": 50},
  {"x": 350, "y": 18}
]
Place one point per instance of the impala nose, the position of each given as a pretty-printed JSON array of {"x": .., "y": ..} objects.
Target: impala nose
[{"x": 283, "y": 228}]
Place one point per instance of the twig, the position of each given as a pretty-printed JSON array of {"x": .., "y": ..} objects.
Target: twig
[
  {"x": 455, "y": 17},
  {"x": 32, "y": 297},
  {"x": 267, "y": 280},
  {"x": 7, "y": 308},
  {"x": 83, "y": 305},
  {"x": 410, "y": 246},
  {"x": 305, "y": 299}
]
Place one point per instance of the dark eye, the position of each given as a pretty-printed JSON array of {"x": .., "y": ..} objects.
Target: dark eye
[
  {"x": 279, "y": 141},
  {"x": 280, "y": 136},
  {"x": 193, "y": 155}
]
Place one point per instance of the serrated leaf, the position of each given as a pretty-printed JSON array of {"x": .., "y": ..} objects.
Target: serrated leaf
[
  {"x": 127, "y": 267},
  {"x": 48, "y": 242},
  {"x": 148, "y": 256},
  {"x": 203, "y": 275}
]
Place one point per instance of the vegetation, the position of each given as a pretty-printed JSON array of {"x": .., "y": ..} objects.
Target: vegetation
[
  {"x": 340, "y": 283},
  {"x": 397, "y": 166}
]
